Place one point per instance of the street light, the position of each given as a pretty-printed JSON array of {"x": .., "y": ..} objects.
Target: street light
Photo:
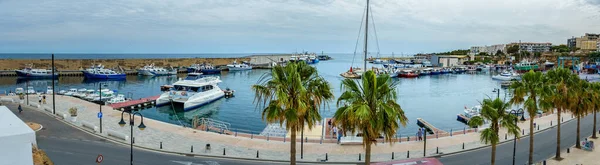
[
  {"x": 27, "y": 91},
  {"x": 516, "y": 113},
  {"x": 131, "y": 123},
  {"x": 101, "y": 102},
  {"x": 496, "y": 90}
]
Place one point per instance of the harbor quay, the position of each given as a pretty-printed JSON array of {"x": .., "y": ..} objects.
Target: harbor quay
[{"x": 165, "y": 137}]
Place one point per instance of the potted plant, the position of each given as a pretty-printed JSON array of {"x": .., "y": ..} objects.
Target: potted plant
[{"x": 73, "y": 112}]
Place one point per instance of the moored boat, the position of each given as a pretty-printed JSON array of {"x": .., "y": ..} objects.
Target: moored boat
[
  {"x": 525, "y": 66},
  {"x": 424, "y": 72},
  {"x": 435, "y": 71},
  {"x": 29, "y": 72},
  {"x": 235, "y": 66},
  {"x": 71, "y": 92},
  {"x": 193, "y": 91},
  {"x": 99, "y": 72},
  {"x": 408, "y": 73},
  {"x": 151, "y": 70},
  {"x": 506, "y": 76},
  {"x": 353, "y": 73},
  {"x": 205, "y": 69}
]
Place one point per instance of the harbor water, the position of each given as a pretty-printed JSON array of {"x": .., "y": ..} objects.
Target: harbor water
[{"x": 437, "y": 99}]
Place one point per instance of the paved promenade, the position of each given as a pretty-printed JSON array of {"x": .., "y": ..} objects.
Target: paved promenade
[{"x": 180, "y": 140}]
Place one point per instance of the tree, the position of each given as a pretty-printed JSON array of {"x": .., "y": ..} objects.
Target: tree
[
  {"x": 292, "y": 95},
  {"x": 482, "y": 54},
  {"x": 559, "y": 80},
  {"x": 595, "y": 95},
  {"x": 537, "y": 54},
  {"x": 495, "y": 112},
  {"x": 512, "y": 49},
  {"x": 560, "y": 48},
  {"x": 527, "y": 92},
  {"x": 499, "y": 53},
  {"x": 581, "y": 103},
  {"x": 370, "y": 108}
]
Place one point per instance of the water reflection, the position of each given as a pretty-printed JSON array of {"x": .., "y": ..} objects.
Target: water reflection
[{"x": 175, "y": 113}]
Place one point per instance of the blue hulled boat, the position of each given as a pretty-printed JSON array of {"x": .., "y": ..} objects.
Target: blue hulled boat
[
  {"x": 435, "y": 72},
  {"x": 204, "y": 69},
  {"x": 99, "y": 72}
]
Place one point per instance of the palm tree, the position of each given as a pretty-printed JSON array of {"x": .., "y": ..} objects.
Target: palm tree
[
  {"x": 495, "y": 112},
  {"x": 596, "y": 104},
  {"x": 527, "y": 92},
  {"x": 580, "y": 104},
  {"x": 559, "y": 80},
  {"x": 292, "y": 95},
  {"x": 370, "y": 108}
]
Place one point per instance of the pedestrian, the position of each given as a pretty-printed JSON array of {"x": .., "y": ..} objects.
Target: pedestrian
[
  {"x": 334, "y": 131},
  {"x": 419, "y": 133},
  {"x": 40, "y": 99},
  {"x": 44, "y": 99},
  {"x": 339, "y": 136},
  {"x": 20, "y": 109}
]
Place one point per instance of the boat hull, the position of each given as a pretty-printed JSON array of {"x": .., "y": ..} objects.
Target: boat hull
[
  {"x": 190, "y": 104},
  {"x": 239, "y": 68},
  {"x": 156, "y": 73},
  {"x": 23, "y": 74},
  {"x": 89, "y": 75}
]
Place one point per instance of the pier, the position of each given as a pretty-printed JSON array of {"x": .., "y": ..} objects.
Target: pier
[
  {"x": 135, "y": 104},
  {"x": 430, "y": 128}
]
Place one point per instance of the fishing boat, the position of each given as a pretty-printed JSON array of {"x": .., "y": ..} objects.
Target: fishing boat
[
  {"x": 377, "y": 61},
  {"x": 235, "y": 66},
  {"x": 80, "y": 93},
  {"x": 99, "y": 72},
  {"x": 473, "y": 111},
  {"x": 29, "y": 72},
  {"x": 293, "y": 58},
  {"x": 324, "y": 57},
  {"x": 483, "y": 68},
  {"x": 426, "y": 71},
  {"x": 446, "y": 70},
  {"x": 117, "y": 99},
  {"x": 205, "y": 69},
  {"x": 459, "y": 69},
  {"x": 471, "y": 68},
  {"x": 90, "y": 94},
  {"x": 30, "y": 90},
  {"x": 312, "y": 59},
  {"x": 104, "y": 95},
  {"x": 525, "y": 66},
  {"x": 194, "y": 91},
  {"x": 435, "y": 71},
  {"x": 506, "y": 76},
  {"x": 408, "y": 73},
  {"x": 426, "y": 63},
  {"x": 151, "y": 70},
  {"x": 71, "y": 92}
]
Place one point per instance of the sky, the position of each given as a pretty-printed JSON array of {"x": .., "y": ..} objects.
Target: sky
[{"x": 285, "y": 26}]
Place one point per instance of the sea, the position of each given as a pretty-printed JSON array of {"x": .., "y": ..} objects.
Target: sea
[{"x": 437, "y": 98}]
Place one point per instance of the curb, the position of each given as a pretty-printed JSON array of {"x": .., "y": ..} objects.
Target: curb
[{"x": 41, "y": 126}]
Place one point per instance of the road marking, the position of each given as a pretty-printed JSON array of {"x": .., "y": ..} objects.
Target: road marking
[{"x": 185, "y": 163}]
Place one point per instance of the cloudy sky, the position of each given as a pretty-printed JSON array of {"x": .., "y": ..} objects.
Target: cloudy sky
[{"x": 247, "y": 26}]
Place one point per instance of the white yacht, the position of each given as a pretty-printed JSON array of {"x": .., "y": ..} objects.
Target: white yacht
[
  {"x": 80, "y": 93},
  {"x": 104, "y": 95},
  {"x": 30, "y": 90},
  {"x": 151, "y": 70},
  {"x": 506, "y": 76},
  {"x": 71, "y": 92},
  {"x": 235, "y": 66},
  {"x": 193, "y": 91},
  {"x": 90, "y": 94},
  {"x": 473, "y": 111},
  {"x": 49, "y": 90},
  {"x": 118, "y": 99}
]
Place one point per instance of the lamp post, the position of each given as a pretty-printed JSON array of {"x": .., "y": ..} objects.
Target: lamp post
[
  {"x": 424, "y": 141},
  {"x": 516, "y": 113},
  {"x": 53, "y": 90},
  {"x": 101, "y": 102},
  {"x": 27, "y": 90},
  {"x": 131, "y": 123},
  {"x": 497, "y": 91}
]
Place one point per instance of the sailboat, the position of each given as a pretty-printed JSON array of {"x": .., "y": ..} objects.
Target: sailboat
[{"x": 355, "y": 72}]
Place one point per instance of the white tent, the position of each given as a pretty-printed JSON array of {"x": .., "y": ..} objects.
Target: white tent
[{"x": 16, "y": 139}]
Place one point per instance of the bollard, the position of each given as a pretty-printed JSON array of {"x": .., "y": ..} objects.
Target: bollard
[
  {"x": 320, "y": 141},
  {"x": 568, "y": 150},
  {"x": 562, "y": 119},
  {"x": 450, "y": 132},
  {"x": 306, "y": 139},
  {"x": 505, "y": 136},
  {"x": 392, "y": 155},
  {"x": 236, "y": 133},
  {"x": 408, "y": 138},
  {"x": 544, "y": 162},
  {"x": 267, "y": 137},
  {"x": 437, "y": 150},
  {"x": 359, "y": 157},
  {"x": 192, "y": 149},
  {"x": 160, "y": 145},
  {"x": 407, "y": 154},
  {"x": 326, "y": 158},
  {"x": 523, "y": 131},
  {"x": 256, "y": 153},
  {"x": 223, "y": 151},
  {"x": 284, "y": 139},
  {"x": 538, "y": 127},
  {"x": 251, "y": 136},
  {"x": 464, "y": 131},
  {"x": 463, "y": 145},
  {"x": 550, "y": 123},
  {"x": 133, "y": 140}
]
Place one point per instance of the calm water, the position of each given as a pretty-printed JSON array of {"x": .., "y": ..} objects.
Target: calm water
[{"x": 436, "y": 99}]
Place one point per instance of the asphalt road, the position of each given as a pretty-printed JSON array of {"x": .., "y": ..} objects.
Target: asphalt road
[
  {"x": 544, "y": 146},
  {"x": 66, "y": 145}
]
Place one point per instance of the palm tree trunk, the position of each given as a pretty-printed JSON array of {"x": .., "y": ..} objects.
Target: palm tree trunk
[
  {"x": 594, "y": 131},
  {"x": 531, "y": 117},
  {"x": 293, "y": 146},
  {"x": 493, "y": 154},
  {"x": 368, "y": 154},
  {"x": 558, "y": 135},
  {"x": 577, "y": 144}
]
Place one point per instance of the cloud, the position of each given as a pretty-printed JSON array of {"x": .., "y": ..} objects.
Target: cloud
[{"x": 285, "y": 25}]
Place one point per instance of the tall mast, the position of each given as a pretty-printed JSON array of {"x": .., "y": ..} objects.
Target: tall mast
[{"x": 366, "y": 35}]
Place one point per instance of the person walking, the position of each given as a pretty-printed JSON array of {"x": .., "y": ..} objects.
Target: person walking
[
  {"x": 419, "y": 134},
  {"x": 44, "y": 99},
  {"x": 339, "y": 135},
  {"x": 335, "y": 130},
  {"x": 20, "y": 109},
  {"x": 40, "y": 99}
]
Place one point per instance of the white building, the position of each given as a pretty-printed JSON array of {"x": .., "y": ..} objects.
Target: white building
[
  {"x": 477, "y": 49},
  {"x": 16, "y": 139},
  {"x": 490, "y": 50},
  {"x": 533, "y": 46},
  {"x": 449, "y": 60}
]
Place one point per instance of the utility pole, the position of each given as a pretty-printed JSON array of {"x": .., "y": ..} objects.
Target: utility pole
[{"x": 53, "y": 87}]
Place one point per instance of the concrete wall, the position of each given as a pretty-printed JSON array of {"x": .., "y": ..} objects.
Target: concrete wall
[{"x": 267, "y": 59}]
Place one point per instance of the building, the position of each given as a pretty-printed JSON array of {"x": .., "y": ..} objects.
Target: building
[
  {"x": 423, "y": 56},
  {"x": 532, "y": 46},
  {"x": 598, "y": 46},
  {"x": 588, "y": 42},
  {"x": 490, "y": 50},
  {"x": 449, "y": 60},
  {"x": 16, "y": 139}
]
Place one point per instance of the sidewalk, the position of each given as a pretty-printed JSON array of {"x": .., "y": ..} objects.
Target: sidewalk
[
  {"x": 181, "y": 140},
  {"x": 577, "y": 156}
]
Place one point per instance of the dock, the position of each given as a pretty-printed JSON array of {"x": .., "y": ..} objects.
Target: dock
[
  {"x": 462, "y": 118},
  {"x": 429, "y": 127},
  {"x": 135, "y": 104}
]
